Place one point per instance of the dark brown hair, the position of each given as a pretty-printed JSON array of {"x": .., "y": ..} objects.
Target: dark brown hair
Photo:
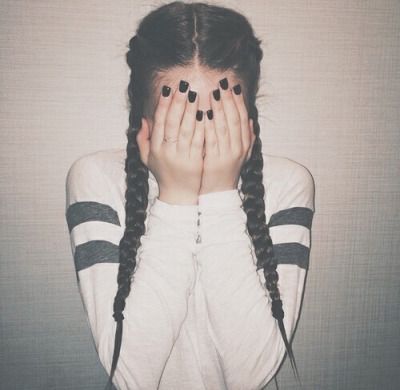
[{"x": 177, "y": 34}]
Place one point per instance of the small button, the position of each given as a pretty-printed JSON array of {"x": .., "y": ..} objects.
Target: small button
[{"x": 198, "y": 240}]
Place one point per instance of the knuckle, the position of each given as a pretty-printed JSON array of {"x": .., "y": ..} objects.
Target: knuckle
[
  {"x": 184, "y": 133},
  {"x": 162, "y": 105},
  {"x": 244, "y": 125},
  {"x": 218, "y": 110},
  {"x": 228, "y": 98},
  {"x": 179, "y": 97},
  {"x": 236, "y": 121},
  {"x": 169, "y": 154},
  {"x": 212, "y": 146},
  {"x": 159, "y": 114},
  {"x": 246, "y": 145},
  {"x": 153, "y": 150},
  {"x": 220, "y": 128},
  {"x": 197, "y": 145},
  {"x": 157, "y": 122},
  {"x": 237, "y": 152},
  {"x": 175, "y": 104},
  {"x": 169, "y": 123}
]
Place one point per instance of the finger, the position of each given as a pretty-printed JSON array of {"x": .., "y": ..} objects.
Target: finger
[
  {"x": 253, "y": 139},
  {"x": 164, "y": 101},
  {"x": 232, "y": 118},
  {"x": 220, "y": 125},
  {"x": 243, "y": 114},
  {"x": 210, "y": 138},
  {"x": 198, "y": 136},
  {"x": 188, "y": 123},
  {"x": 175, "y": 113}
]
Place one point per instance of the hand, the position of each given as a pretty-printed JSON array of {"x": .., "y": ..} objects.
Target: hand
[
  {"x": 229, "y": 139},
  {"x": 177, "y": 164}
]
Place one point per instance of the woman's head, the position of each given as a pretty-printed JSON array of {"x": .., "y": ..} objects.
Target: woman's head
[
  {"x": 197, "y": 42},
  {"x": 201, "y": 44}
]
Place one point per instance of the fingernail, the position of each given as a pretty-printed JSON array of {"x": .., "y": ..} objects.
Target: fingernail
[
  {"x": 209, "y": 114},
  {"x": 199, "y": 115},
  {"x": 166, "y": 90},
  {"x": 183, "y": 86},
  {"x": 192, "y": 96},
  {"x": 217, "y": 94},
  {"x": 237, "y": 89},
  {"x": 224, "y": 83}
]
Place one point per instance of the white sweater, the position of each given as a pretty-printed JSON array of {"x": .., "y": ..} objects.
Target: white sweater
[{"x": 198, "y": 315}]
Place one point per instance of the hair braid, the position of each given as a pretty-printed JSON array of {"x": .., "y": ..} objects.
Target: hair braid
[
  {"x": 253, "y": 191},
  {"x": 136, "y": 195}
]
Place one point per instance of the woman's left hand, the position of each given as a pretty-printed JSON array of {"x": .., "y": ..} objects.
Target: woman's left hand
[{"x": 229, "y": 139}]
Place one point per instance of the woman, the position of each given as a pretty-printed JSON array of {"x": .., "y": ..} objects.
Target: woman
[{"x": 187, "y": 262}]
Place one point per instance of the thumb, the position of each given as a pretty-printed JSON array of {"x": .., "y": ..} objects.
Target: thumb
[
  {"x": 253, "y": 138},
  {"x": 143, "y": 141}
]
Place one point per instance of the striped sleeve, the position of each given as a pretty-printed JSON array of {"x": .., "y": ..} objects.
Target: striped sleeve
[
  {"x": 164, "y": 276},
  {"x": 290, "y": 231},
  {"x": 246, "y": 336}
]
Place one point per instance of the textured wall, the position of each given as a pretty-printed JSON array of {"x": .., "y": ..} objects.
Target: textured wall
[{"x": 329, "y": 99}]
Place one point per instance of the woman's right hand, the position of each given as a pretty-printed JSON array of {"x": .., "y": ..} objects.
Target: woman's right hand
[{"x": 177, "y": 164}]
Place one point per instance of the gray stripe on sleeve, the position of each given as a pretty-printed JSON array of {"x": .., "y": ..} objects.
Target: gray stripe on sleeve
[
  {"x": 292, "y": 216},
  {"x": 93, "y": 252},
  {"x": 292, "y": 253},
  {"x": 80, "y": 212}
]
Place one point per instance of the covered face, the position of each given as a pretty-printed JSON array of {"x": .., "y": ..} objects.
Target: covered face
[{"x": 201, "y": 80}]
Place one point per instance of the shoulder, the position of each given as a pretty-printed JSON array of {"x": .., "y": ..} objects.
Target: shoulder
[
  {"x": 96, "y": 175},
  {"x": 107, "y": 161},
  {"x": 287, "y": 182},
  {"x": 100, "y": 177}
]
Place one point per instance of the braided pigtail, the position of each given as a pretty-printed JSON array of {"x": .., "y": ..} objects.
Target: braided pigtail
[
  {"x": 253, "y": 191},
  {"x": 136, "y": 196}
]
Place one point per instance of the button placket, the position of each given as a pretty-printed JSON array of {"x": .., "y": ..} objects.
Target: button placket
[{"x": 198, "y": 239}]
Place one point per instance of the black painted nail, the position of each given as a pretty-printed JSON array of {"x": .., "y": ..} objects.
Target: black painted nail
[
  {"x": 192, "y": 96},
  {"x": 166, "y": 91},
  {"x": 224, "y": 83},
  {"x": 237, "y": 89},
  {"x": 209, "y": 114},
  {"x": 199, "y": 115},
  {"x": 183, "y": 86},
  {"x": 217, "y": 94}
]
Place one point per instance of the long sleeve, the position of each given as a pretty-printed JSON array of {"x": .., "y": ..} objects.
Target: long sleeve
[
  {"x": 165, "y": 274},
  {"x": 245, "y": 334}
]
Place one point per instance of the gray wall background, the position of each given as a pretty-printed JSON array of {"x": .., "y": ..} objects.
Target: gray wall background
[{"x": 329, "y": 99}]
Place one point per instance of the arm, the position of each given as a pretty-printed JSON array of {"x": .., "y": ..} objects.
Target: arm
[
  {"x": 157, "y": 304},
  {"x": 241, "y": 325}
]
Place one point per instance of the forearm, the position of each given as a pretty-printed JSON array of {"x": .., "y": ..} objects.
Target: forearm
[
  {"x": 157, "y": 303},
  {"x": 241, "y": 324}
]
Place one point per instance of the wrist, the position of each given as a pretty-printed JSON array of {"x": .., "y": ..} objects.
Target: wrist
[
  {"x": 205, "y": 191},
  {"x": 220, "y": 201},
  {"x": 180, "y": 198}
]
